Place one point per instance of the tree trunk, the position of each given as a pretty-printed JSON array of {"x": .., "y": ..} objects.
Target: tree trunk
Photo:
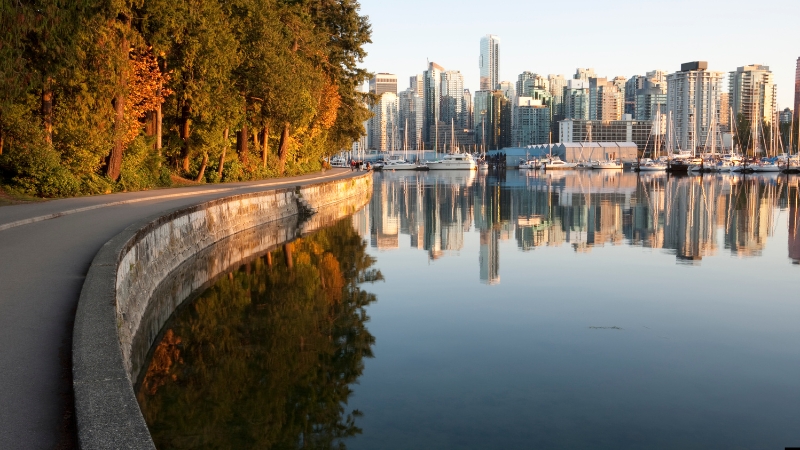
[
  {"x": 150, "y": 124},
  {"x": 255, "y": 140},
  {"x": 224, "y": 149},
  {"x": 114, "y": 166},
  {"x": 47, "y": 110},
  {"x": 184, "y": 134},
  {"x": 203, "y": 165},
  {"x": 265, "y": 146},
  {"x": 241, "y": 144},
  {"x": 287, "y": 253},
  {"x": 283, "y": 148},
  {"x": 158, "y": 131},
  {"x": 2, "y": 141}
]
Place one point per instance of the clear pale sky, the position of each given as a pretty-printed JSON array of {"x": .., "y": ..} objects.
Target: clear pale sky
[{"x": 619, "y": 37}]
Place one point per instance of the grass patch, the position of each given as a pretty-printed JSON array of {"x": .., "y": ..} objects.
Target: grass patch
[{"x": 11, "y": 196}]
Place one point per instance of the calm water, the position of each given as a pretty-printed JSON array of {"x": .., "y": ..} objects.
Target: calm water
[{"x": 559, "y": 310}]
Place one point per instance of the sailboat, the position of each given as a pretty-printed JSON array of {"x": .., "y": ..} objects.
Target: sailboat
[
  {"x": 454, "y": 160},
  {"x": 401, "y": 163}
]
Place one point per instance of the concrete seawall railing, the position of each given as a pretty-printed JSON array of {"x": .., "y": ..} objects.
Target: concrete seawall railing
[{"x": 118, "y": 318}]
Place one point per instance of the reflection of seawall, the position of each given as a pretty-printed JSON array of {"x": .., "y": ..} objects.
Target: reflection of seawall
[
  {"x": 201, "y": 270},
  {"x": 128, "y": 270}
]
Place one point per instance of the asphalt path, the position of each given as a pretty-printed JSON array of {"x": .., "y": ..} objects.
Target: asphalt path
[{"x": 45, "y": 251}]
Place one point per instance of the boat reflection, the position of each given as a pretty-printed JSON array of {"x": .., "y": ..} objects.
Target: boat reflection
[{"x": 692, "y": 217}]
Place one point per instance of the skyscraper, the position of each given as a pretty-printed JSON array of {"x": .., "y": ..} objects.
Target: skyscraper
[
  {"x": 384, "y": 124},
  {"x": 576, "y": 99},
  {"x": 452, "y": 106},
  {"x": 584, "y": 74},
  {"x": 489, "y": 62},
  {"x": 797, "y": 89},
  {"x": 752, "y": 93},
  {"x": 410, "y": 118},
  {"x": 383, "y": 82},
  {"x": 693, "y": 96},
  {"x": 417, "y": 84},
  {"x": 480, "y": 115},
  {"x": 466, "y": 114},
  {"x": 432, "y": 99}
]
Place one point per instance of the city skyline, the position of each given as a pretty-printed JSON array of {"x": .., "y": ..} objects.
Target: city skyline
[{"x": 454, "y": 43}]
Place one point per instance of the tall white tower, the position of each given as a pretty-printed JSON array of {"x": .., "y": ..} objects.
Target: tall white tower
[{"x": 490, "y": 62}]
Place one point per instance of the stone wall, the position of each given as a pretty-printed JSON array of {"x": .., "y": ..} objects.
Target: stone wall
[{"x": 115, "y": 307}]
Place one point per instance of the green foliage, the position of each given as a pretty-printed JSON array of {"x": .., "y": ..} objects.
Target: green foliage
[
  {"x": 141, "y": 167},
  {"x": 266, "y": 64}
]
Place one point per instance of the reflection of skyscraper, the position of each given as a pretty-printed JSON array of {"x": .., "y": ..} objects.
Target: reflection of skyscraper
[
  {"x": 794, "y": 227},
  {"x": 385, "y": 231},
  {"x": 489, "y": 257}
]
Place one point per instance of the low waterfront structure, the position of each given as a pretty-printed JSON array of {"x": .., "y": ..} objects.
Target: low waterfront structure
[{"x": 573, "y": 152}]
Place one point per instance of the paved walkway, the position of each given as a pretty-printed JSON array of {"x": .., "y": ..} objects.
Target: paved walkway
[{"x": 45, "y": 250}]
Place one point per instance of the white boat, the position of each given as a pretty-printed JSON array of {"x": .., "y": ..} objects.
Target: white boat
[
  {"x": 454, "y": 161},
  {"x": 529, "y": 164},
  {"x": 483, "y": 166},
  {"x": 652, "y": 166},
  {"x": 766, "y": 167},
  {"x": 339, "y": 161},
  {"x": 557, "y": 164},
  {"x": 607, "y": 165},
  {"x": 400, "y": 165}
]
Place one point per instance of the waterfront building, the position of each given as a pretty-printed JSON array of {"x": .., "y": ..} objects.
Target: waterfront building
[
  {"x": 384, "y": 124},
  {"x": 606, "y": 99},
  {"x": 498, "y": 121},
  {"x": 417, "y": 84},
  {"x": 725, "y": 111},
  {"x": 452, "y": 98},
  {"x": 480, "y": 111},
  {"x": 584, "y": 74},
  {"x": 528, "y": 81},
  {"x": 640, "y": 132},
  {"x": 785, "y": 116},
  {"x": 557, "y": 84},
  {"x": 651, "y": 97},
  {"x": 383, "y": 82},
  {"x": 411, "y": 117},
  {"x": 693, "y": 104},
  {"x": 797, "y": 87},
  {"x": 576, "y": 99},
  {"x": 753, "y": 94},
  {"x": 432, "y": 100},
  {"x": 451, "y": 135},
  {"x": 533, "y": 120},
  {"x": 632, "y": 86},
  {"x": 466, "y": 117},
  {"x": 489, "y": 62}
]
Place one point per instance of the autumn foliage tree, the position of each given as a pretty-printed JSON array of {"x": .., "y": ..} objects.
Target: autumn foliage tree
[{"x": 113, "y": 95}]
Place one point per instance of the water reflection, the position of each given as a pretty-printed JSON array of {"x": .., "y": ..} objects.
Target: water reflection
[
  {"x": 266, "y": 357},
  {"x": 690, "y": 217}
]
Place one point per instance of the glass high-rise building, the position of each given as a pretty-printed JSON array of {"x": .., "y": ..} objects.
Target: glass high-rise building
[
  {"x": 452, "y": 107},
  {"x": 490, "y": 62},
  {"x": 797, "y": 89},
  {"x": 432, "y": 97}
]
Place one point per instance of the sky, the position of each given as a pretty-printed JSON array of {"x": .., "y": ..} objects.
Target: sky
[{"x": 620, "y": 37}]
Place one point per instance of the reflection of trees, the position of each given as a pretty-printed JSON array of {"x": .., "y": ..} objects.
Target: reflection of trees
[{"x": 265, "y": 358}]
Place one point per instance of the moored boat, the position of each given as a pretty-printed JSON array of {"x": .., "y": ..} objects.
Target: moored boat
[{"x": 454, "y": 161}]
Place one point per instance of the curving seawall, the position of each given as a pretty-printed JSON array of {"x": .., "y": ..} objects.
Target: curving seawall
[{"x": 140, "y": 276}]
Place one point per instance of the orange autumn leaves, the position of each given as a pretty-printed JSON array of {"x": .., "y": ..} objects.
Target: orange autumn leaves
[{"x": 146, "y": 90}]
